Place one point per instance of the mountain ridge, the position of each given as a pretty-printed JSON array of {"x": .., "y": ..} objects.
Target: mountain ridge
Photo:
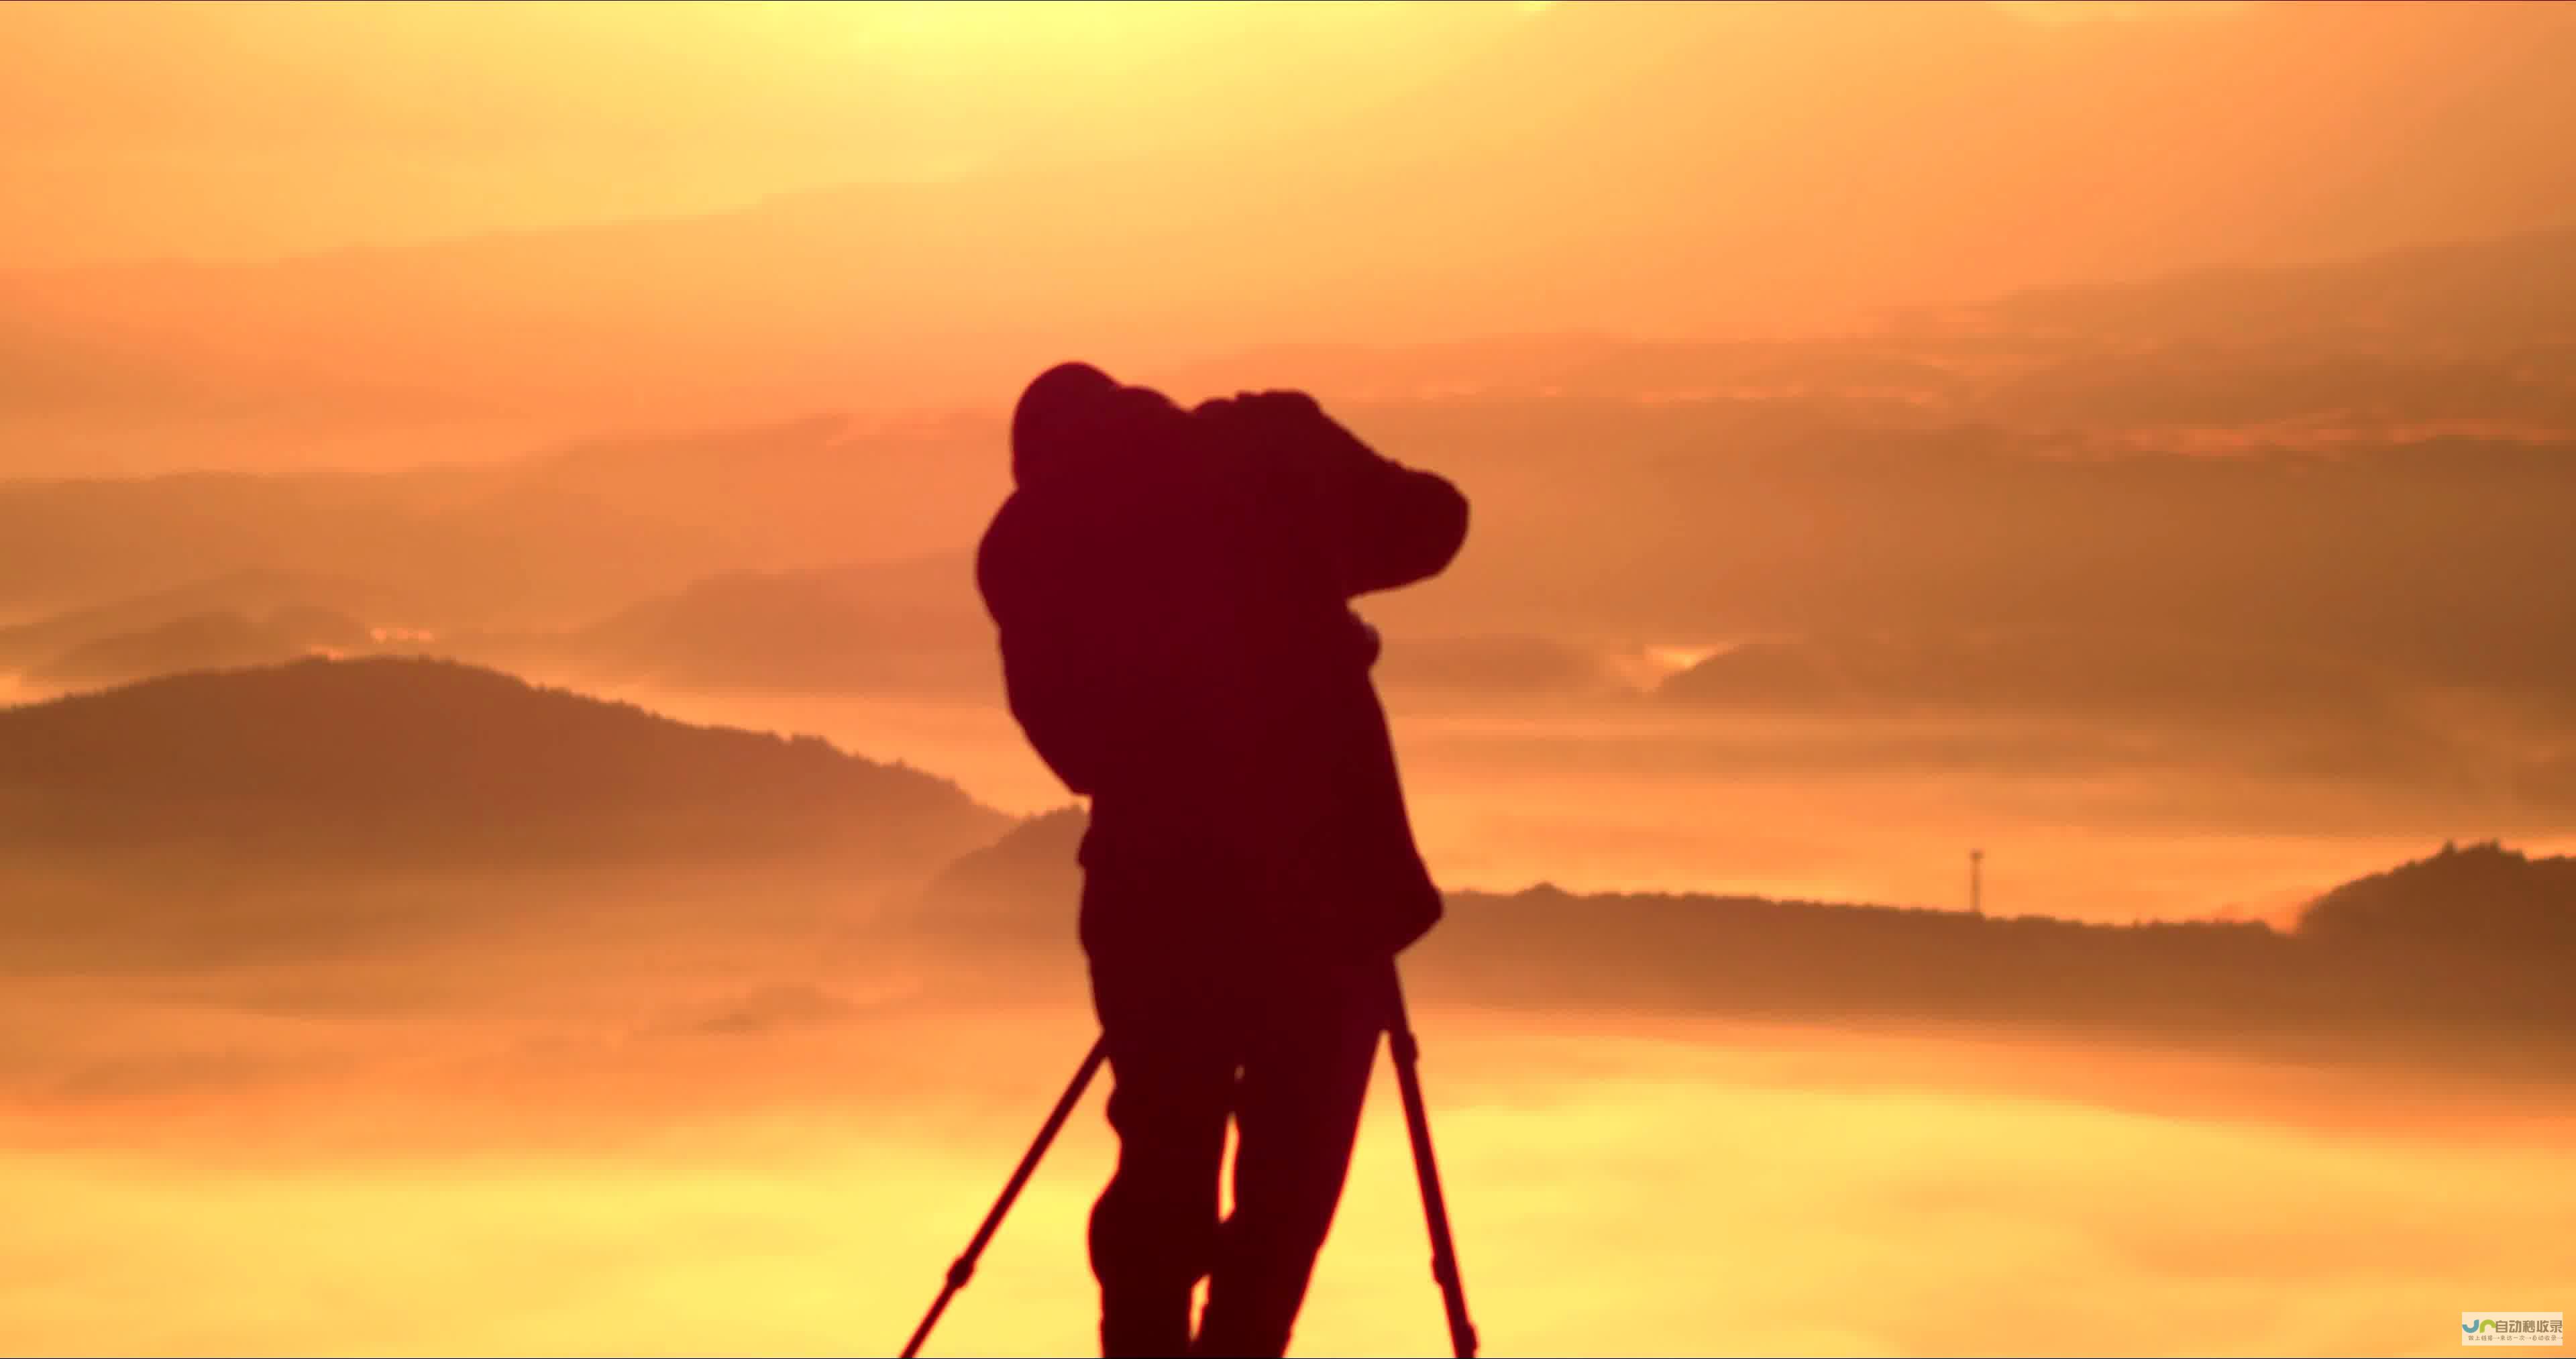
[
  {"x": 424, "y": 760},
  {"x": 2369, "y": 976}
]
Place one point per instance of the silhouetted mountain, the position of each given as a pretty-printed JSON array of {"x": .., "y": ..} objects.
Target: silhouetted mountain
[
  {"x": 315, "y": 607},
  {"x": 820, "y": 491},
  {"x": 869, "y": 626},
  {"x": 444, "y": 543},
  {"x": 544, "y": 541},
  {"x": 1980, "y": 472},
  {"x": 206, "y": 641},
  {"x": 2506, "y": 294},
  {"x": 2484, "y": 899},
  {"x": 2388, "y": 518},
  {"x": 918, "y": 624},
  {"x": 425, "y": 762},
  {"x": 2218, "y": 980},
  {"x": 1507, "y": 667},
  {"x": 1017, "y": 887},
  {"x": 1724, "y": 518},
  {"x": 2102, "y": 674}
]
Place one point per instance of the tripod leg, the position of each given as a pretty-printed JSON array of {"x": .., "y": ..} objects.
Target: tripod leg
[
  {"x": 964, "y": 1267},
  {"x": 1435, "y": 1208}
]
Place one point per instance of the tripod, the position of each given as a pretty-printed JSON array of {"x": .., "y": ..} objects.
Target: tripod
[{"x": 1435, "y": 1208}]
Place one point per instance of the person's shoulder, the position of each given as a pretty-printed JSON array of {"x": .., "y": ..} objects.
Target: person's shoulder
[
  {"x": 1002, "y": 555},
  {"x": 1007, "y": 523}
]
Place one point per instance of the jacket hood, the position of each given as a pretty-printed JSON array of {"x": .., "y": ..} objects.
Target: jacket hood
[{"x": 1075, "y": 417}]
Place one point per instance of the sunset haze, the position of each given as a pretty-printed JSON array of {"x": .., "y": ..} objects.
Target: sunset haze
[{"x": 1998, "y": 751}]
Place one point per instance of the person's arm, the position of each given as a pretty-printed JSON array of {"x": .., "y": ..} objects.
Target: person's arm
[
  {"x": 1407, "y": 525},
  {"x": 1382, "y": 524}
]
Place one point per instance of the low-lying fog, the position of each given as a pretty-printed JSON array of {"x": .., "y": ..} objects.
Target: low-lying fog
[
  {"x": 735, "y": 1112},
  {"x": 711, "y": 1115}
]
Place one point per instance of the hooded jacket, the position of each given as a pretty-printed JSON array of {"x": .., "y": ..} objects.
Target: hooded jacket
[{"x": 1172, "y": 591}]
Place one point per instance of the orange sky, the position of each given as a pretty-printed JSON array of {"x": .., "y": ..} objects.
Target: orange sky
[
  {"x": 233, "y": 130},
  {"x": 460, "y": 224},
  {"x": 245, "y": 130},
  {"x": 935, "y": 197}
]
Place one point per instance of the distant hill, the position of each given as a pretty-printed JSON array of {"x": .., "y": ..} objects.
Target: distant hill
[
  {"x": 2385, "y": 493},
  {"x": 2008, "y": 467},
  {"x": 2502, "y": 294},
  {"x": 1502, "y": 666},
  {"x": 206, "y": 641},
  {"x": 300, "y": 599},
  {"x": 389, "y": 760},
  {"x": 2219, "y": 980},
  {"x": 920, "y": 623},
  {"x": 2101, "y": 673},
  {"x": 2484, "y": 899},
  {"x": 444, "y": 543},
  {"x": 1020, "y": 888},
  {"x": 548, "y": 540},
  {"x": 836, "y": 629}
]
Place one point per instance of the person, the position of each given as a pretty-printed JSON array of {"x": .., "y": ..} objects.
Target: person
[{"x": 1172, "y": 591}]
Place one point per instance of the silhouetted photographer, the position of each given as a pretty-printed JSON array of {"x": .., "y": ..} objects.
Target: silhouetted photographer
[{"x": 1172, "y": 589}]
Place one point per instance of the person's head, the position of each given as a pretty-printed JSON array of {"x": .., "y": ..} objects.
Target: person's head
[{"x": 1074, "y": 415}]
